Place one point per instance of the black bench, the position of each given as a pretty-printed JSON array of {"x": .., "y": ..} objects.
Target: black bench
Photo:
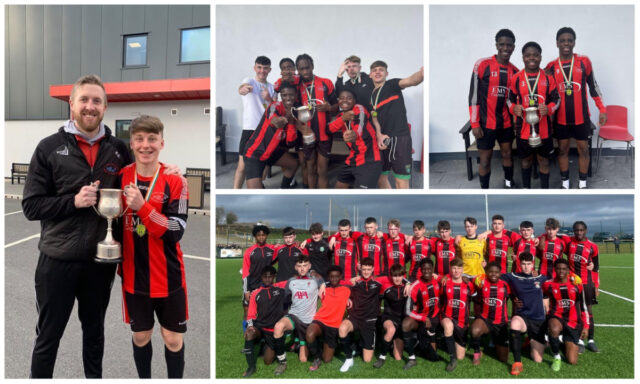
[
  {"x": 19, "y": 170},
  {"x": 205, "y": 172}
]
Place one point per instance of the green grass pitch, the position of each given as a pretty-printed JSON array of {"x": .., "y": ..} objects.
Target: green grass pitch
[{"x": 616, "y": 343}]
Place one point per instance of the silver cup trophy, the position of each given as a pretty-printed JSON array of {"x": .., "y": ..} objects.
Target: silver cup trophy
[
  {"x": 532, "y": 119},
  {"x": 304, "y": 114},
  {"x": 110, "y": 207}
]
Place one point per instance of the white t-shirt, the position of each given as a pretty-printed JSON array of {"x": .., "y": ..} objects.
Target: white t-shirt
[{"x": 253, "y": 104}]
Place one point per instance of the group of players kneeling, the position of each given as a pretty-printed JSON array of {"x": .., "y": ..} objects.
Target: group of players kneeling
[{"x": 549, "y": 308}]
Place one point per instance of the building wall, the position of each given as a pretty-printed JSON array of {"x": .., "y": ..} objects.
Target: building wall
[
  {"x": 56, "y": 44},
  {"x": 328, "y": 34},
  {"x": 460, "y": 35},
  {"x": 187, "y": 135}
]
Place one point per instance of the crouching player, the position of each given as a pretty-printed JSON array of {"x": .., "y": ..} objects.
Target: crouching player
[
  {"x": 328, "y": 318},
  {"x": 567, "y": 314},
  {"x": 153, "y": 228},
  {"x": 394, "y": 299},
  {"x": 363, "y": 166},
  {"x": 422, "y": 314},
  {"x": 264, "y": 147}
]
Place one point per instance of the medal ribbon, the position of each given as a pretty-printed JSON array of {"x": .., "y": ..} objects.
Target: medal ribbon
[
  {"x": 151, "y": 186},
  {"x": 532, "y": 90},
  {"x": 306, "y": 89},
  {"x": 375, "y": 105},
  {"x": 567, "y": 80}
]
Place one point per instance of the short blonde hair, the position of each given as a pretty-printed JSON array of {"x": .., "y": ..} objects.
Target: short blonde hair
[{"x": 88, "y": 79}]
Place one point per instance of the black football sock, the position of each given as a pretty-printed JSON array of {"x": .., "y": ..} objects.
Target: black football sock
[
  {"x": 142, "y": 357},
  {"x": 475, "y": 344},
  {"x": 451, "y": 346},
  {"x": 346, "y": 346},
  {"x": 554, "y": 343},
  {"x": 249, "y": 355},
  {"x": 591, "y": 326},
  {"x": 582, "y": 176},
  {"x": 409, "y": 342},
  {"x": 385, "y": 348},
  {"x": 286, "y": 182},
  {"x": 279, "y": 347},
  {"x": 175, "y": 362},
  {"x": 508, "y": 173},
  {"x": 544, "y": 180},
  {"x": 516, "y": 345},
  {"x": 484, "y": 180},
  {"x": 313, "y": 348},
  {"x": 564, "y": 175},
  {"x": 526, "y": 177}
]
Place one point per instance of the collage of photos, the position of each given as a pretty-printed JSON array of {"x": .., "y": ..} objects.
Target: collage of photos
[{"x": 421, "y": 252}]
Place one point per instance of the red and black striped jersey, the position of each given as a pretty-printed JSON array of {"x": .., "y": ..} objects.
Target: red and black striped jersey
[
  {"x": 545, "y": 92},
  {"x": 580, "y": 254},
  {"x": 455, "y": 300},
  {"x": 498, "y": 248},
  {"x": 494, "y": 301},
  {"x": 418, "y": 250},
  {"x": 566, "y": 302},
  {"x": 522, "y": 245},
  {"x": 397, "y": 252},
  {"x": 489, "y": 92},
  {"x": 345, "y": 254},
  {"x": 388, "y": 103},
  {"x": 393, "y": 297},
  {"x": 256, "y": 258},
  {"x": 444, "y": 251},
  {"x": 278, "y": 83},
  {"x": 267, "y": 306},
  {"x": 574, "y": 108},
  {"x": 152, "y": 259},
  {"x": 267, "y": 138},
  {"x": 321, "y": 89},
  {"x": 548, "y": 252},
  {"x": 286, "y": 257},
  {"x": 364, "y": 150},
  {"x": 373, "y": 247},
  {"x": 424, "y": 299}
]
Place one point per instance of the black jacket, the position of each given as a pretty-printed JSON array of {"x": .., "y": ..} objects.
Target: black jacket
[{"x": 57, "y": 172}]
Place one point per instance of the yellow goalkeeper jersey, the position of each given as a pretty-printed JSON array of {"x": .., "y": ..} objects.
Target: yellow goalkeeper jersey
[{"x": 472, "y": 252}]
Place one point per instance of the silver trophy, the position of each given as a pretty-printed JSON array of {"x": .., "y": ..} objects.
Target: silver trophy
[
  {"x": 532, "y": 119},
  {"x": 109, "y": 207},
  {"x": 304, "y": 114}
]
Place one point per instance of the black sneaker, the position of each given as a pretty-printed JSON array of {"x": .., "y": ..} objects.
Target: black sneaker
[
  {"x": 250, "y": 371},
  {"x": 379, "y": 363},
  {"x": 410, "y": 364},
  {"x": 452, "y": 365},
  {"x": 593, "y": 347},
  {"x": 282, "y": 366}
]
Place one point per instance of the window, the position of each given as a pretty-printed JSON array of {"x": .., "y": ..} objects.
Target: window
[
  {"x": 195, "y": 45},
  {"x": 122, "y": 130},
  {"x": 135, "y": 50}
]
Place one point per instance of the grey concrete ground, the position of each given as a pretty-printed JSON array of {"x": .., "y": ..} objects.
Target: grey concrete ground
[
  {"x": 20, "y": 308},
  {"x": 614, "y": 173},
  {"x": 225, "y": 173}
]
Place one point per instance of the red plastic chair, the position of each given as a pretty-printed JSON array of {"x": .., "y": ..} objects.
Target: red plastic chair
[{"x": 615, "y": 129}]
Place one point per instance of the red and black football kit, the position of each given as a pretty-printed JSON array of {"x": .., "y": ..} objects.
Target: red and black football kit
[
  {"x": 267, "y": 306},
  {"x": 455, "y": 300},
  {"x": 418, "y": 250},
  {"x": 278, "y": 83},
  {"x": 152, "y": 264},
  {"x": 444, "y": 252},
  {"x": 566, "y": 302},
  {"x": 488, "y": 101},
  {"x": 494, "y": 309},
  {"x": 256, "y": 258},
  {"x": 498, "y": 248},
  {"x": 424, "y": 300},
  {"x": 394, "y": 302},
  {"x": 580, "y": 254},
  {"x": 345, "y": 255},
  {"x": 321, "y": 89},
  {"x": 374, "y": 248},
  {"x": 551, "y": 251},
  {"x": 365, "y": 296},
  {"x": 522, "y": 245},
  {"x": 397, "y": 252},
  {"x": 286, "y": 257},
  {"x": 320, "y": 256}
]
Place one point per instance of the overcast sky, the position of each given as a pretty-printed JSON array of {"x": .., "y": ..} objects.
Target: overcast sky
[{"x": 608, "y": 211}]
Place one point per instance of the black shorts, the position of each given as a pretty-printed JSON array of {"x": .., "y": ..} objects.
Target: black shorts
[
  {"x": 536, "y": 329},
  {"x": 499, "y": 332},
  {"x": 363, "y": 176},
  {"x": 254, "y": 168},
  {"x": 246, "y": 135},
  {"x": 488, "y": 140},
  {"x": 329, "y": 334},
  {"x": 299, "y": 327},
  {"x": 578, "y": 132},
  {"x": 568, "y": 333},
  {"x": 171, "y": 311},
  {"x": 460, "y": 334},
  {"x": 321, "y": 147},
  {"x": 545, "y": 150},
  {"x": 589, "y": 291},
  {"x": 397, "y": 323},
  {"x": 367, "y": 331},
  {"x": 267, "y": 336},
  {"x": 397, "y": 157}
]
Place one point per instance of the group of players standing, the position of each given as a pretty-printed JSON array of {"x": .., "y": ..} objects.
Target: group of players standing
[
  {"x": 499, "y": 93},
  {"x": 354, "y": 271},
  {"x": 368, "y": 109}
]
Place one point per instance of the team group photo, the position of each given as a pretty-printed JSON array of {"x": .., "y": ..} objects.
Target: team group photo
[{"x": 480, "y": 286}]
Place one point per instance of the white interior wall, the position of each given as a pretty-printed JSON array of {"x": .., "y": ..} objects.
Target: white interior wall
[
  {"x": 186, "y": 135},
  {"x": 460, "y": 35},
  {"x": 328, "y": 34}
]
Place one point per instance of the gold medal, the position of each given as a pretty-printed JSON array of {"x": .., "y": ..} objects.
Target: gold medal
[
  {"x": 141, "y": 230},
  {"x": 532, "y": 102},
  {"x": 569, "y": 92},
  {"x": 374, "y": 114}
]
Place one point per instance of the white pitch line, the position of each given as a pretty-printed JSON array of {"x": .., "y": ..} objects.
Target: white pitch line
[
  {"x": 12, "y": 213},
  {"x": 196, "y": 257},
  {"x": 616, "y": 267},
  {"x": 23, "y": 240},
  {"x": 615, "y": 325},
  {"x": 614, "y": 295}
]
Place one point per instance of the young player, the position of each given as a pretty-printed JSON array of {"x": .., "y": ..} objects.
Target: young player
[
  {"x": 362, "y": 167},
  {"x": 345, "y": 252},
  {"x": 286, "y": 255},
  {"x": 256, "y": 258},
  {"x": 532, "y": 87},
  {"x": 153, "y": 279},
  {"x": 358, "y": 82},
  {"x": 566, "y": 314},
  {"x": 393, "y": 295},
  {"x": 389, "y": 116},
  {"x": 490, "y": 119},
  {"x": 443, "y": 248},
  {"x": 267, "y": 305},
  {"x": 319, "y": 250},
  {"x": 422, "y": 314},
  {"x": 492, "y": 318},
  {"x": 373, "y": 246},
  {"x": 472, "y": 249},
  {"x": 572, "y": 73},
  {"x": 265, "y": 146},
  {"x": 525, "y": 242},
  {"x": 498, "y": 243},
  {"x": 395, "y": 244},
  {"x": 303, "y": 289},
  {"x": 312, "y": 87},
  {"x": 550, "y": 248},
  {"x": 419, "y": 249},
  {"x": 328, "y": 318},
  {"x": 455, "y": 298}
]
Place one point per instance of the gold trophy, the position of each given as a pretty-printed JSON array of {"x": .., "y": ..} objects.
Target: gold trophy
[
  {"x": 533, "y": 119},
  {"x": 110, "y": 207}
]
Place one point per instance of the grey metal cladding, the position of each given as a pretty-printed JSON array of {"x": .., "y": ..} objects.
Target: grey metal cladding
[
  {"x": 90, "y": 45},
  {"x": 179, "y": 17},
  {"x": 52, "y": 39},
  {"x": 17, "y": 62},
  {"x": 111, "y": 43},
  {"x": 35, "y": 62},
  {"x": 156, "y": 23}
]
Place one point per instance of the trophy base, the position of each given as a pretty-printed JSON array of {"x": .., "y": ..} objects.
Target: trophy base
[
  {"x": 108, "y": 253},
  {"x": 535, "y": 143}
]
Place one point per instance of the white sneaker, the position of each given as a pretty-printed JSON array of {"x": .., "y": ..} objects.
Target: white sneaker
[
  {"x": 348, "y": 363},
  {"x": 565, "y": 184},
  {"x": 583, "y": 184}
]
